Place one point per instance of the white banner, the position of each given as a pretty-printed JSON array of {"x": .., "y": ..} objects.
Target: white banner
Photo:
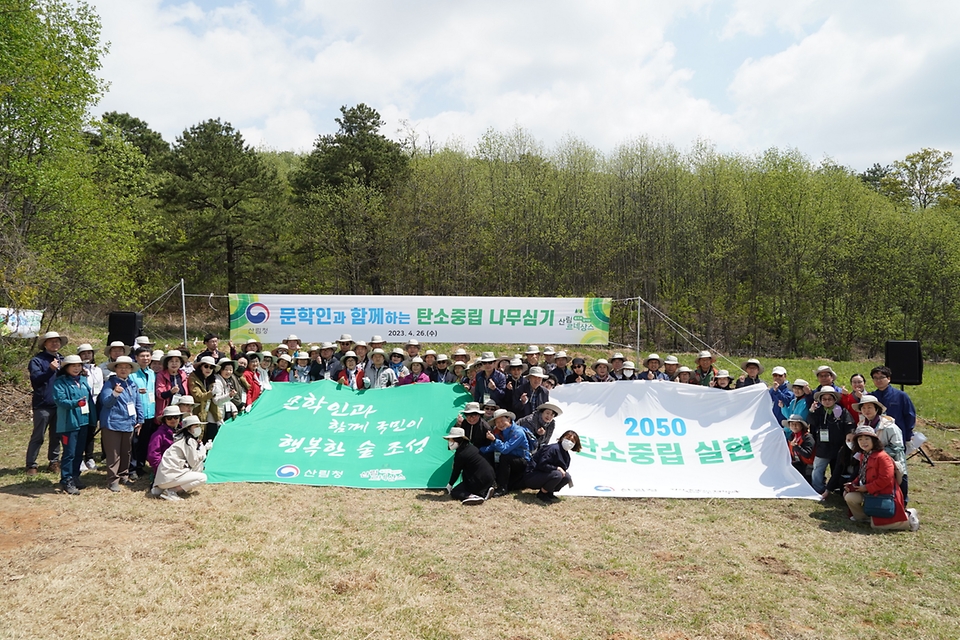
[
  {"x": 23, "y": 323},
  {"x": 670, "y": 440},
  {"x": 313, "y": 319}
]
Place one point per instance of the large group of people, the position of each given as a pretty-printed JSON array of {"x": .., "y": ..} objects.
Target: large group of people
[{"x": 158, "y": 412}]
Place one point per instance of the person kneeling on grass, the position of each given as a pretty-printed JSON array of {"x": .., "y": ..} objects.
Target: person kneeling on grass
[
  {"x": 876, "y": 478},
  {"x": 551, "y": 467},
  {"x": 478, "y": 475},
  {"x": 181, "y": 468}
]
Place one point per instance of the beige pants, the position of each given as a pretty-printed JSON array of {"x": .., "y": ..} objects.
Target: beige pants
[
  {"x": 855, "y": 502},
  {"x": 187, "y": 481}
]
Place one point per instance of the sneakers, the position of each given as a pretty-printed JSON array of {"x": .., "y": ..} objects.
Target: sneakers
[
  {"x": 69, "y": 487},
  {"x": 54, "y": 467},
  {"x": 170, "y": 494},
  {"x": 156, "y": 491},
  {"x": 914, "y": 519},
  {"x": 472, "y": 499},
  {"x": 489, "y": 494},
  {"x": 78, "y": 484},
  {"x": 91, "y": 464},
  {"x": 114, "y": 486},
  {"x": 499, "y": 493}
]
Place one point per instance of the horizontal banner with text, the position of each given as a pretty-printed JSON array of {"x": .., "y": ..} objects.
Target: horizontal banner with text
[{"x": 271, "y": 318}]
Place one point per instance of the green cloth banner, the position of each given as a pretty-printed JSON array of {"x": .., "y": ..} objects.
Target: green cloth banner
[{"x": 324, "y": 433}]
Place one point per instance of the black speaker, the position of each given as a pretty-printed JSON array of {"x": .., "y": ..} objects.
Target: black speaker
[
  {"x": 124, "y": 326},
  {"x": 905, "y": 360}
]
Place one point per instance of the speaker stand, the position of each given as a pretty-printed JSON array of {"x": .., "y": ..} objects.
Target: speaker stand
[{"x": 923, "y": 454}]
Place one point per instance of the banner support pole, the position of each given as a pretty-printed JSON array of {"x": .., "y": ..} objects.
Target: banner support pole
[{"x": 183, "y": 307}]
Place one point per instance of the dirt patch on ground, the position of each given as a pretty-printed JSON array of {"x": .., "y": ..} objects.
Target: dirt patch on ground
[
  {"x": 940, "y": 455},
  {"x": 776, "y": 565},
  {"x": 21, "y": 527},
  {"x": 14, "y": 403}
]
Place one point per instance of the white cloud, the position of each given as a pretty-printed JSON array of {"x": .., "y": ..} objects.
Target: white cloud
[{"x": 603, "y": 72}]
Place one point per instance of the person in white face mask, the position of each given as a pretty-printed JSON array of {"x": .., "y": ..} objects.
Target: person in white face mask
[
  {"x": 181, "y": 468},
  {"x": 468, "y": 462},
  {"x": 551, "y": 471}
]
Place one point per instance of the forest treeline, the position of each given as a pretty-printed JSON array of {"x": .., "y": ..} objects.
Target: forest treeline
[{"x": 766, "y": 253}]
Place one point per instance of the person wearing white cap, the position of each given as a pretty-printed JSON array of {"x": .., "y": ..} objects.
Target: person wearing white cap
[
  {"x": 628, "y": 371},
  {"x": 181, "y": 468},
  {"x": 704, "y": 371},
  {"x": 379, "y": 372},
  {"x": 683, "y": 375},
  {"x": 652, "y": 369},
  {"x": 560, "y": 370},
  {"x": 826, "y": 377},
  {"x": 200, "y": 386},
  {"x": 94, "y": 377},
  {"x": 461, "y": 355},
  {"x": 616, "y": 364},
  {"x": 352, "y": 375},
  {"x": 413, "y": 349},
  {"x": 113, "y": 351},
  {"x": 877, "y": 477},
  {"x": 121, "y": 414},
  {"x": 873, "y": 414},
  {"x": 155, "y": 361},
  {"x": 293, "y": 343},
  {"x": 363, "y": 352},
  {"x": 514, "y": 380},
  {"x": 601, "y": 372},
  {"x": 143, "y": 342},
  {"x": 800, "y": 403},
  {"x": 430, "y": 363},
  {"x": 344, "y": 344},
  {"x": 162, "y": 438},
  {"x": 801, "y": 444},
  {"x": 376, "y": 342},
  {"x": 542, "y": 422},
  {"x": 509, "y": 450},
  {"x": 753, "y": 369},
  {"x": 442, "y": 373},
  {"x": 283, "y": 372},
  {"x": 43, "y": 369},
  {"x": 670, "y": 366},
  {"x": 76, "y": 410},
  {"x": 829, "y": 424},
  {"x": 327, "y": 366},
  {"x": 531, "y": 358},
  {"x": 418, "y": 373},
  {"x": 146, "y": 381},
  {"x": 476, "y": 472},
  {"x": 490, "y": 383},
  {"x": 549, "y": 359},
  {"x": 229, "y": 395},
  {"x": 531, "y": 393},
  {"x": 780, "y": 392},
  {"x": 251, "y": 345}
]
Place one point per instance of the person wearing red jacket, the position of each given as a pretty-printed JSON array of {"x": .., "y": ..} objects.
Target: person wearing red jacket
[
  {"x": 876, "y": 477},
  {"x": 252, "y": 376}
]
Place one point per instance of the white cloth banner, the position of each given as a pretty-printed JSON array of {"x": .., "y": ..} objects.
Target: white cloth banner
[
  {"x": 270, "y": 318},
  {"x": 23, "y": 323},
  {"x": 670, "y": 440}
]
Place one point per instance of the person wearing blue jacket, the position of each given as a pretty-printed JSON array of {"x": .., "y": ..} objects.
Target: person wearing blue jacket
[
  {"x": 121, "y": 414},
  {"x": 899, "y": 405},
  {"x": 551, "y": 467},
  {"x": 490, "y": 383},
  {"x": 146, "y": 380},
  {"x": 510, "y": 452},
  {"x": 43, "y": 369},
  {"x": 76, "y": 411},
  {"x": 780, "y": 393}
]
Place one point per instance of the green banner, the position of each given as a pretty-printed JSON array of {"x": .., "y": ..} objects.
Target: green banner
[{"x": 324, "y": 433}]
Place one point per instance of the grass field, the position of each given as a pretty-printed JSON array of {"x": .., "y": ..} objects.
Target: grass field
[{"x": 281, "y": 561}]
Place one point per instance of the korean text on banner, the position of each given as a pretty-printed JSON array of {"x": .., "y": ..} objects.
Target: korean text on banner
[
  {"x": 270, "y": 318},
  {"x": 323, "y": 433},
  {"x": 661, "y": 439}
]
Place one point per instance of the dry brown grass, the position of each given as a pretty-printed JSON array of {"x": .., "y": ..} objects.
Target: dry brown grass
[{"x": 278, "y": 561}]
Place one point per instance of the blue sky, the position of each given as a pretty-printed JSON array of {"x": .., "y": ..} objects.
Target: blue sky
[{"x": 858, "y": 82}]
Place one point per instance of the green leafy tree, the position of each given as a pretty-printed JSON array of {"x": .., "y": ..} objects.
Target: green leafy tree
[
  {"x": 921, "y": 178},
  {"x": 218, "y": 191}
]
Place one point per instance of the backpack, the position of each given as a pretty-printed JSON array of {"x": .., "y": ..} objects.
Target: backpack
[{"x": 532, "y": 443}]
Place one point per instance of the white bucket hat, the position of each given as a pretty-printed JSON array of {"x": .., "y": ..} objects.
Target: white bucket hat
[
  {"x": 72, "y": 359},
  {"x": 456, "y": 432},
  {"x": 652, "y": 356},
  {"x": 531, "y": 350},
  {"x": 50, "y": 335},
  {"x": 752, "y": 361},
  {"x": 537, "y": 372},
  {"x": 112, "y": 366},
  {"x": 115, "y": 343}
]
